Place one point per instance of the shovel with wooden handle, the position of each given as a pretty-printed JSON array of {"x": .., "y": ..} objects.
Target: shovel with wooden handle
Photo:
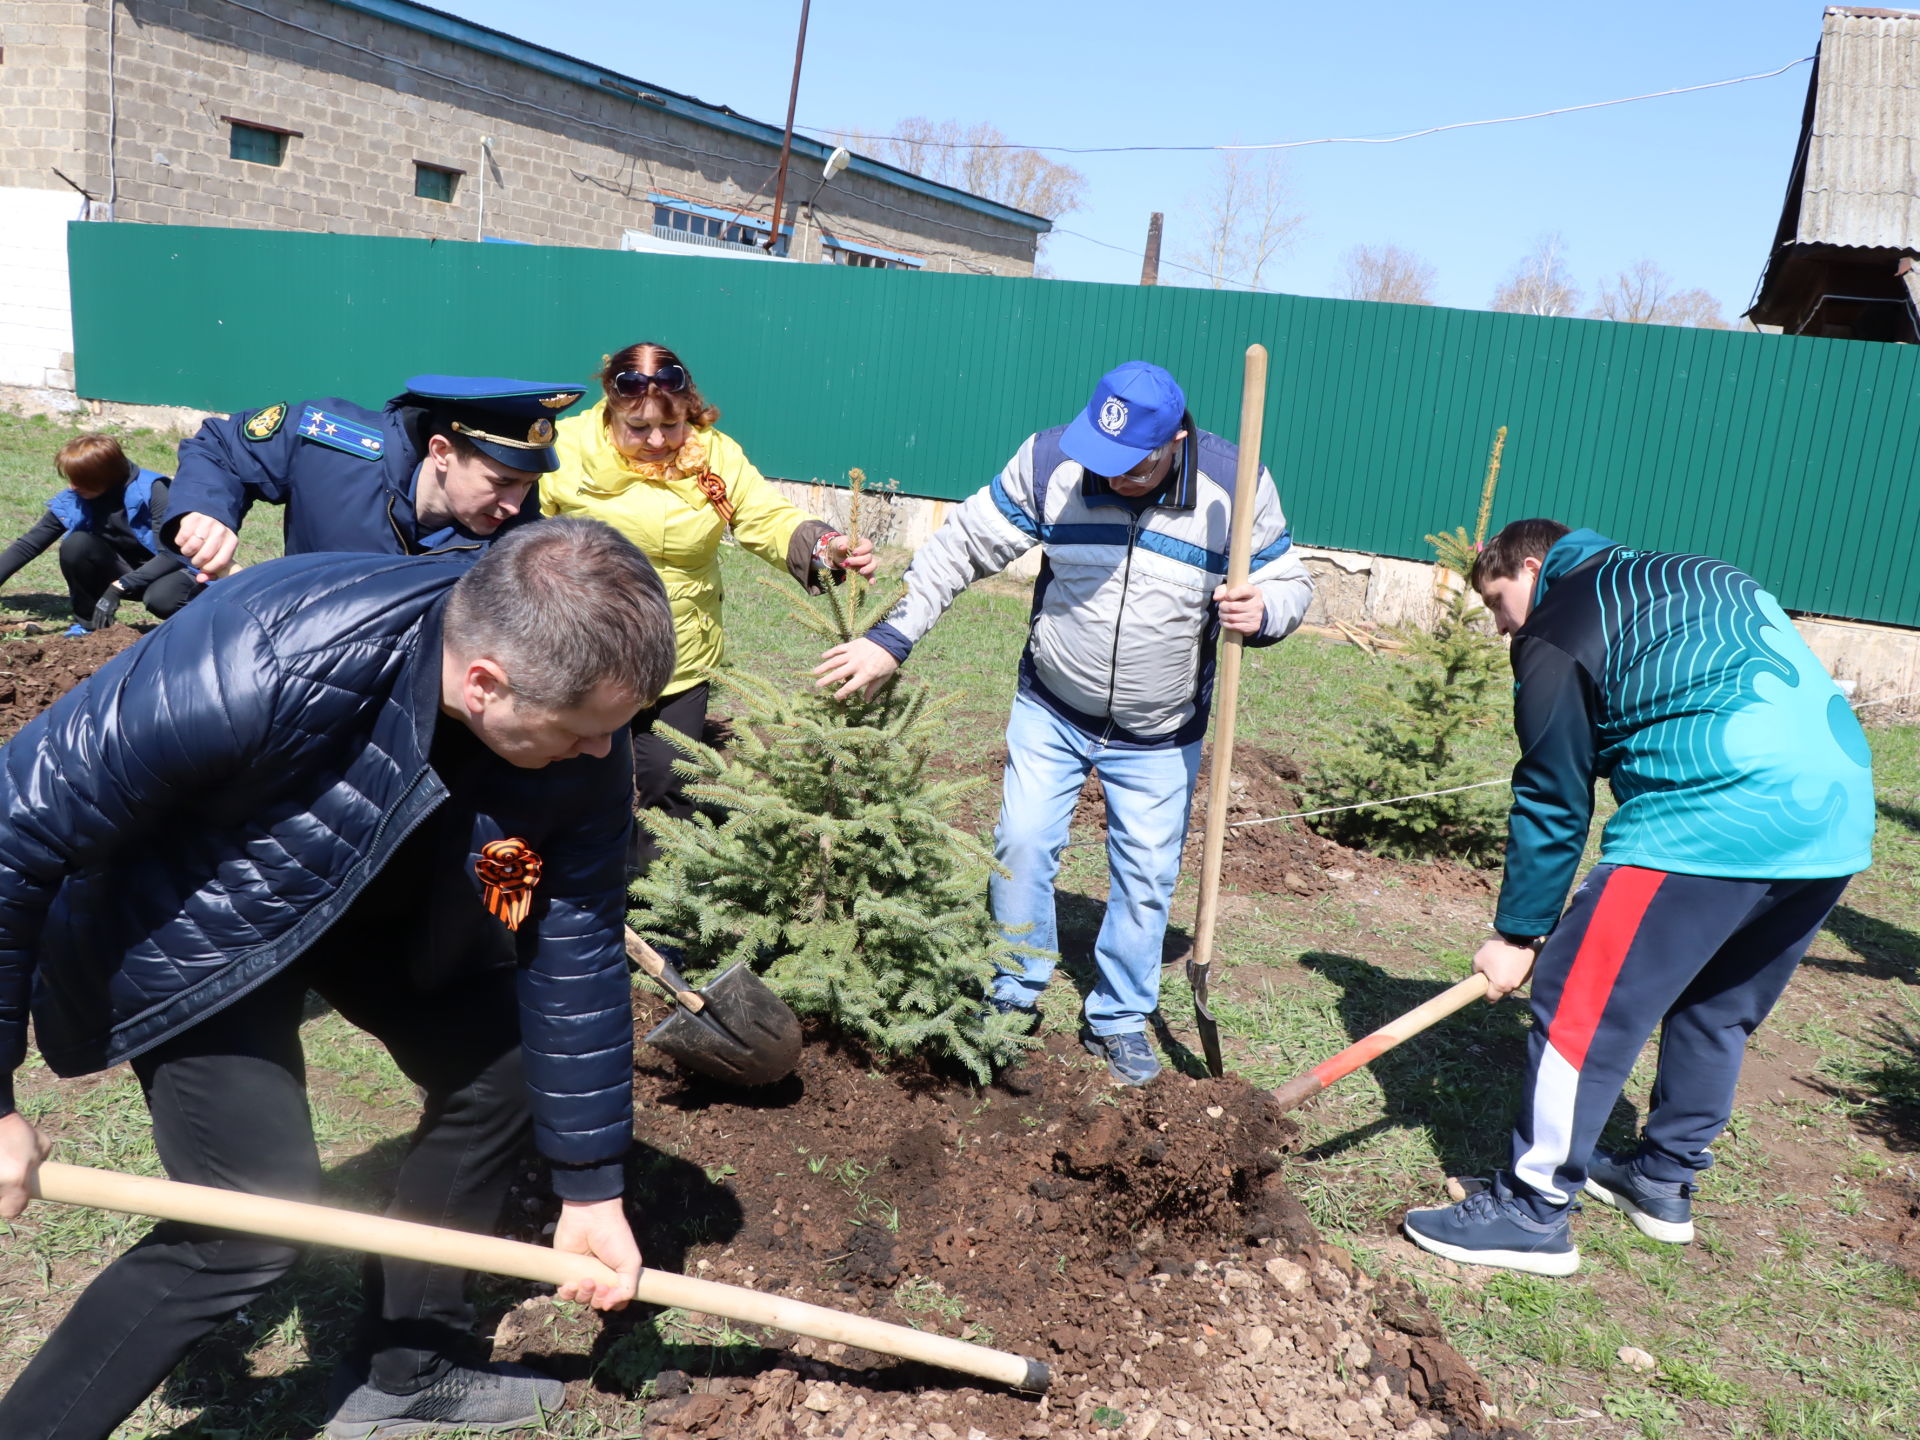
[
  {"x": 302, "y": 1224},
  {"x": 735, "y": 1030},
  {"x": 1226, "y": 695},
  {"x": 1370, "y": 1048}
]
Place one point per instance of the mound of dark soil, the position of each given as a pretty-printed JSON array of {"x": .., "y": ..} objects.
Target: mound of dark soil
[
  {"x": 1141, "y": 1242},
  {"x": 35, "y": 673}
]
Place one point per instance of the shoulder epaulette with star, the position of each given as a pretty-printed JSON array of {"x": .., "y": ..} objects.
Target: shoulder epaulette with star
[{"x": 341, "y": 434}]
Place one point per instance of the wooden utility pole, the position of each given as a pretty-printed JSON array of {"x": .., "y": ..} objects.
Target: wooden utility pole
[
  {"x": 786, "y": 140},
  {"x": 1150, "y": 266}
]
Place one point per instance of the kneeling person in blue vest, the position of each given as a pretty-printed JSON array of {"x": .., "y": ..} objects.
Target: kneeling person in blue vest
[
  {"x": 401, "y": 783},
  {"x": 1131, "y": 504},
  {"x": 104, "y": 523},
  {"x": 1746, "y": 803},
  {"x": 448, "y": 465}
]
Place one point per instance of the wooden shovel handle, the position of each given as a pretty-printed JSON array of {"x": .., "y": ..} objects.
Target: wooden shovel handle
[
  {"x": 1226, "y": 693},
  {"x": 649, "y": 960},
  {"x": 303, "y": 1224},
  {"x": 1373, "y": 1046}
]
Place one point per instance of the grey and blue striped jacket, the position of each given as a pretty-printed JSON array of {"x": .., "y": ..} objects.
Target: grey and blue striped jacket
[{"x": 1122, "y": 634}]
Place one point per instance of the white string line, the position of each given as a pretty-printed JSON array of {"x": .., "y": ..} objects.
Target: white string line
[
  {"x": 1326, "y": 140},
  {"x": 1336, "y": 809},
  {"x": 1886, "y": 699}
]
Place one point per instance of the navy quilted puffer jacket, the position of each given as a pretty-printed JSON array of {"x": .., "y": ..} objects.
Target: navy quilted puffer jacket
[{"x": 185, "y": 823}]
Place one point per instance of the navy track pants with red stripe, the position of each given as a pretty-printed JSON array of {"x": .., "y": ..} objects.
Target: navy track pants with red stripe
[{"x": 1701, "y": 957}]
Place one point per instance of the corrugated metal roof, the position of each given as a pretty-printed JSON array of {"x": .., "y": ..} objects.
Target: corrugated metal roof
[{"x": 1861, "y": 183}]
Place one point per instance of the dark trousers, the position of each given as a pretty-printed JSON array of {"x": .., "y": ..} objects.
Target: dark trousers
[
  {"x": 229, "y": 1107},
  {"x": 1702, "y": 958},
  {"x": 89, "y": 563},
  {"x": 656, "y": 788}
]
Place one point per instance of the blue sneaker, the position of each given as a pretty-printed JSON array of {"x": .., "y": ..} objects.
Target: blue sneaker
[
  {"x": 1129, "y": 1057},
  {"x": 1659, "y": 1209},
  {"x": 1487, "y": 1228}
]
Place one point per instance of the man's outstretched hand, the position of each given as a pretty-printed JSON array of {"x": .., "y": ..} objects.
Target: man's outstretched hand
[{"x": 854, "y": 665}]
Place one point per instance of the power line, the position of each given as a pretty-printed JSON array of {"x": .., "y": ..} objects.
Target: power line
[
  {"x": 1325, "y": 140},
  {"x": 1220, "y": 280}
]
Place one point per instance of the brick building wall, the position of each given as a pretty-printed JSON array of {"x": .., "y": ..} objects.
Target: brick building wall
[
  {"x": 571, "y": 163},
  {"x": 365, "y": 92}
]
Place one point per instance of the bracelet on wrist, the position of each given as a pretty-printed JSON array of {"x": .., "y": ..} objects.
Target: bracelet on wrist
[{"x": 822, "y": 553}]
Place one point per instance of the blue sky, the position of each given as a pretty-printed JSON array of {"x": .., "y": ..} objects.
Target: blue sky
[{"x": 1693, "y": 182}]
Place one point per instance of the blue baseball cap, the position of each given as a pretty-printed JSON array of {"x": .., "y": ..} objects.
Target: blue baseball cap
[
  {"x": 509, "y": 420},
  {"x": 1136, "y": 408}
]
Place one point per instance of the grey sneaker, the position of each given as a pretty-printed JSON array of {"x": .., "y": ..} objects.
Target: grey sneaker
[
  {"x": 469, "y": 1400},
  {"x": 1129, "y": 1057}
]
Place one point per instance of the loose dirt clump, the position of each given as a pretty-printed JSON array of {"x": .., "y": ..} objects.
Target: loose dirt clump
[
  {"x": 1141, "y": 1242},
  {"x": 35, "y": 673}
]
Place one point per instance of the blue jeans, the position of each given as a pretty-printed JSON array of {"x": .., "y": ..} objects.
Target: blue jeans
[{"x": 1149, "y": 793}]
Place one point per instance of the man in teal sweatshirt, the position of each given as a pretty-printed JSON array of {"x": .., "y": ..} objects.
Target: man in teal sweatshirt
[{"x": 1746, "y": 803}]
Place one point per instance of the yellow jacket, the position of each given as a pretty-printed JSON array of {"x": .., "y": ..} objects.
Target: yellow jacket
[{"x": 664, "y": 510}]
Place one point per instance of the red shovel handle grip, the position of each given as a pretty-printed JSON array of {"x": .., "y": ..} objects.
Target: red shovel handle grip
[{"x": 1372, "y": 1047}]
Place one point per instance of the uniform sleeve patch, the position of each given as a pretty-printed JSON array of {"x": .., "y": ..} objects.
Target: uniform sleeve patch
[
  {"x": 341, "y": 433},
  {"x": 264, "y": 424}
]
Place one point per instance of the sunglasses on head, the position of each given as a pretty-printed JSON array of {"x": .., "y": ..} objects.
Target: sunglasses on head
[{"x": 633, "y": 383}]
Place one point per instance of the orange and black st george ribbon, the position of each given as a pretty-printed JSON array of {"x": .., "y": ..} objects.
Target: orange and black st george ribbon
[{"x": 508, "y": 870}]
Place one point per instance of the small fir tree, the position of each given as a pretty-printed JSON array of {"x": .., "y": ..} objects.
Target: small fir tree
[
  {"x": 1412, "y": 744},
  {"x": 1421, "y": 716},
  {"x": 833, "y": 865}
]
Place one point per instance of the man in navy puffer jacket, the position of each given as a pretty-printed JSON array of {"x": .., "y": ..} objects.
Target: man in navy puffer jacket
[{"x": 288, "y": 787}]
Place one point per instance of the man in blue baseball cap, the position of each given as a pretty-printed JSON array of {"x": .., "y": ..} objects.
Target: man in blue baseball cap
[
  {"x": 1131, "y": 504},
  {"x": 446, "y": 466}
]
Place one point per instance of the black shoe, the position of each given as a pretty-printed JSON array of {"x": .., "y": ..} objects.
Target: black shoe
[
  {"x": 1659, "y": 1209},
  {"x": 481, "y": 1400},
  {"x": 1026, "y": 1013}
]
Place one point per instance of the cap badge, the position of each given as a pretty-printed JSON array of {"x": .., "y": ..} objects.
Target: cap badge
[
  {"x": 540, "y": 432},
  {"x": 561, "y": 401},
  {"x": 1113, "y": 415}
]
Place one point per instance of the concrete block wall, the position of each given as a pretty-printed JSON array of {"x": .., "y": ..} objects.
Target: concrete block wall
[{"x": 570, "y": 163}]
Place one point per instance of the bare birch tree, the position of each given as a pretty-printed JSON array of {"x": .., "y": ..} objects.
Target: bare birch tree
[
  {"x": 1540, "y": 284},
  {"x": 1247, "y": 220},
  {"x": 977, "y": 159},
  {"x": 1386, "y": 272},
  {"x": 1643, "y": 294}
]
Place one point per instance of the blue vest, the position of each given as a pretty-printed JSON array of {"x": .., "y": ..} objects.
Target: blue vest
[{"x": 136, "y": 498}]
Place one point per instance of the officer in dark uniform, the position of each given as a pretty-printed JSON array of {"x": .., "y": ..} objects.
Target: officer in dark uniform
[{"x": 449, "y": 463}]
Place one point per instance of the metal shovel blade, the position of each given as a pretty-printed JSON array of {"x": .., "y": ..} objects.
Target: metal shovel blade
[{"x": 744, "y": 1034}]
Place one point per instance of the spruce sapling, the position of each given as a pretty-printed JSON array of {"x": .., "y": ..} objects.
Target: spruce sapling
[{"x": 833, "y": 865}]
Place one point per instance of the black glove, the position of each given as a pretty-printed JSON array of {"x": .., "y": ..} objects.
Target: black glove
[{"x": 109, "y": 602}]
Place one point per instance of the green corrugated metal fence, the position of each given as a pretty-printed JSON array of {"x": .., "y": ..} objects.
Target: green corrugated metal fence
[{"x": 1792, "y": 458}]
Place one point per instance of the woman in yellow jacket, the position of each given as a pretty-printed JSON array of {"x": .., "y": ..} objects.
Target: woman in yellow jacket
[{"x": 648, "y": 461}]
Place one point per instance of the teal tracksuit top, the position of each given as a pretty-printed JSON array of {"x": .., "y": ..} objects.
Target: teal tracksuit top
[{"x": 1728, "y": 746}]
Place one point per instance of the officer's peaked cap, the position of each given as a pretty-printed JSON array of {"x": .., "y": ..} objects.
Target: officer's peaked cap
[{"x": 509, "y": 420}]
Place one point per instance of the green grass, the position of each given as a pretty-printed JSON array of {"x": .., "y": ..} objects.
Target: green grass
[{"x": 1783, "y": 1320}]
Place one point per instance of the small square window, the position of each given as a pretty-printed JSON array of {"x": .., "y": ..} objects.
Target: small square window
[
  {"x": 256, "y": 146},
  {"x": 435, "y": 182}
]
